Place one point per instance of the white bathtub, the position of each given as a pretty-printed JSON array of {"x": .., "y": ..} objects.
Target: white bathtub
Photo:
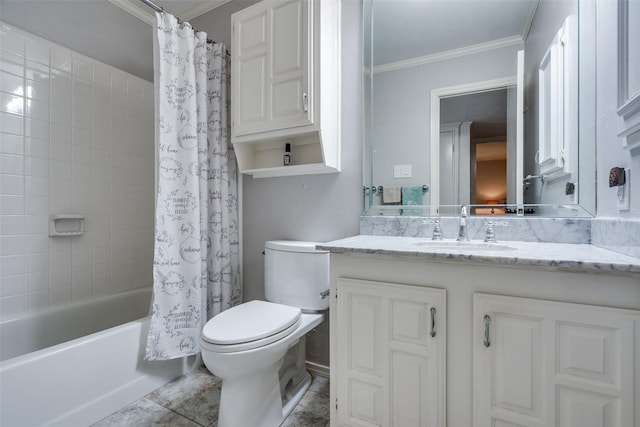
[{"x": 74, "y": 365}]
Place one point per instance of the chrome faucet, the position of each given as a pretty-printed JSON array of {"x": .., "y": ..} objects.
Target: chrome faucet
[{"x": 462, "y": 228}]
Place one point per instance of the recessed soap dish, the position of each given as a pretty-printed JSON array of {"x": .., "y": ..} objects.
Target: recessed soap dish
[{"x": 66, "y": 225}]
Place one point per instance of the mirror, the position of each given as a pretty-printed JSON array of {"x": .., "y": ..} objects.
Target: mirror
[{"x": 476, "y": 102}]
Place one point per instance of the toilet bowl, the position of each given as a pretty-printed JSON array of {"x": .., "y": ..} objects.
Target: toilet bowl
[{"x": 258, "y": 348}]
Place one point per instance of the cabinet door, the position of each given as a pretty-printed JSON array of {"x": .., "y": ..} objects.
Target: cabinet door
[
  {"x": 271, "y": 64},
  {"x": 289, "y": 73},
  {"x": 545, "y": 363},
  {"x": 250, "y": 66},
  {"x": 391, "y": 362}
]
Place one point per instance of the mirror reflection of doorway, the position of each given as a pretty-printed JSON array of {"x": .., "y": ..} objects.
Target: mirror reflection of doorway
[
  {"x": 489, "y": 181},
  {"x": 474, "y": 148}
]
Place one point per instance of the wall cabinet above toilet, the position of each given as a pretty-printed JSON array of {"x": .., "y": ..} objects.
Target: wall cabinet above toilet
[{"x": 286, "y": 87}]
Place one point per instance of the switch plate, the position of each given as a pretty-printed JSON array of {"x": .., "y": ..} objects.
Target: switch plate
[
  {"x": 622, "y": 196},
  {"x": 402, "y": 171}
]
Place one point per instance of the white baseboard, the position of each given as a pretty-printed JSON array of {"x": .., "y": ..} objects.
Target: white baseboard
[{"x": 317, "y": 369}]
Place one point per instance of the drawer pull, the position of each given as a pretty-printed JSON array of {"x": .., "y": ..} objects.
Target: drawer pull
[
  {"x": 433, "y": 322},
  {"x": 487, "y": 322}
]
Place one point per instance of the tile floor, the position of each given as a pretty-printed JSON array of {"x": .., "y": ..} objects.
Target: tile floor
[{"x": 192, "y": 401}]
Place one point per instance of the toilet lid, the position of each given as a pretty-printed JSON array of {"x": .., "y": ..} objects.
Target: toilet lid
[{"x": 250, "y": 321}]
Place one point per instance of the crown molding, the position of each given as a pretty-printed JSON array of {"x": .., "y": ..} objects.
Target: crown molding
[
  {"x": 201, "y": 9},
  {"x": 146, "y": 15},
  {"x": 142, "y": 14},
  {"x": 449, "y": 54},
  {"x": 533, "y": 6}
]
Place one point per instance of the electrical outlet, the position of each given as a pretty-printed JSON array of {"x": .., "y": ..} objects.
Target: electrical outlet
[
  {"x": 402, "y": 171},
  {"x": 624, "y": 192}
]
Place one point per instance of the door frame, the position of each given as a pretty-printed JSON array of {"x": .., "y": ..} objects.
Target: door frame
[{"x": 443, "y": 92}]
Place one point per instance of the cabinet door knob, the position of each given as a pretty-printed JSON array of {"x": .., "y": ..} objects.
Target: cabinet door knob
[
  {"x": 487, "y": 322},
  {"x": 433, "y": 322},
  {"x": 305, "y": 102}
]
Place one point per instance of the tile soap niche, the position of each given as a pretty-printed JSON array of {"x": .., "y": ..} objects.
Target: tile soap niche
[{"x": 66, "y": 225}]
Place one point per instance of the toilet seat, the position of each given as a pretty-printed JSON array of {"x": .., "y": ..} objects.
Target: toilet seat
[{"x": 250, "y": 325}]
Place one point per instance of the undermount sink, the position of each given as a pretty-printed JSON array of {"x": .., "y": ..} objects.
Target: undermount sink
[{"x": 455, "y": 245}]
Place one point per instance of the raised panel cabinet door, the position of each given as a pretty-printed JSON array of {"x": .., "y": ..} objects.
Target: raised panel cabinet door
[
  {"x": 250, "y": 61},
  {"x": 547, "y": 363},
  {"x": 271, "y": 63},
  {"x": 290, "y": 62},
  {"x": 390, "y": 363}
]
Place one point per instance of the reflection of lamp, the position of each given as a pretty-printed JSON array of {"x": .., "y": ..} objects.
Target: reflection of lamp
[{"x": 491, "y": 210}]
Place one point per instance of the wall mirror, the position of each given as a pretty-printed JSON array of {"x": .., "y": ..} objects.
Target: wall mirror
[{"x": 486, "y": 103}]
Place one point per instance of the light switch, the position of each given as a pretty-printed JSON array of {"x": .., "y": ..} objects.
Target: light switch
[{"x": 402, "y": 171}]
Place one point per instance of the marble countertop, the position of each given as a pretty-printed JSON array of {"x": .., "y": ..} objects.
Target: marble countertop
[{"x": 555, "y": 256}]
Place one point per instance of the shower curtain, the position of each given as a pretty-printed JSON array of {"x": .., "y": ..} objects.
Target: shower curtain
[{"x": 196, "y": 269}]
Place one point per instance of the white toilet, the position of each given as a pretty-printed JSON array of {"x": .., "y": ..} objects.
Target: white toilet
[{"x": 258, "y": 348}]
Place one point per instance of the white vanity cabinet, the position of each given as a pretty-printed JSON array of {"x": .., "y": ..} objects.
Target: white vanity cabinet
[
  {"x": 545, "y": 363},
  {"x": 393, "y": 363},
  {"x": 285, "y": 87},
  {"x": 564, "y": 347}
]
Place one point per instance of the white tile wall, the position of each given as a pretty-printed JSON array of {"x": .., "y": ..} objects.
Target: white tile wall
[{"x": 76, "y": 136}]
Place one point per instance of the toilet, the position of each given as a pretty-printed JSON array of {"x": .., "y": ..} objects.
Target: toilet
[{"x": 258, "y": 348}]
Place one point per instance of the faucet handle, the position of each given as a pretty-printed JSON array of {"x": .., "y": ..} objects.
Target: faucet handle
[
  {"x": 490, "y": 235},
  {"x": 437, "y": 231}
]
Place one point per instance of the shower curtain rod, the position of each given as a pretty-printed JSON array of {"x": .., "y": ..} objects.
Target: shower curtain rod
[
  {"x": 153, "y": 6},
  {"x": 160, "y": 9}
]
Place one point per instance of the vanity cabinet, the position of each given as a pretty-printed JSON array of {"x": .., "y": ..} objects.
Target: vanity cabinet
[
  {"x": 285, "y": 87},
  {"x": 563, "y": 347},
  {"x": 392, "y": 361},
  {"x": 545, "y": 363}
]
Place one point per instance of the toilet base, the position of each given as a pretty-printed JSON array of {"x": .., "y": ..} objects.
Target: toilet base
[
  {"x": 251, "y": 401},
  {"x": 295, "y": 394}
]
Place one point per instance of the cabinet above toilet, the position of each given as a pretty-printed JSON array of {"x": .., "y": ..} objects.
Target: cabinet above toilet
[{"x": 286, "y": 87}]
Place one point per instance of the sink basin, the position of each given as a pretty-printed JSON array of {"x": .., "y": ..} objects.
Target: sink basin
[{"x": 455, "y": 245}]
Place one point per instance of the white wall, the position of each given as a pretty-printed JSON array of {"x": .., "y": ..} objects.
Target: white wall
[
  {"x": 80, "y": 142},
  {"x": 402, "y": 109},
  {"x": 609, "y": 146}
]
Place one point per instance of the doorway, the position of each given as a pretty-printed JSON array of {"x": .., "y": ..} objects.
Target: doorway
[
  {"x": 486, "y": 131},
  {"x": 514, "y": 87},
  {"x": 473, "y": 149}
]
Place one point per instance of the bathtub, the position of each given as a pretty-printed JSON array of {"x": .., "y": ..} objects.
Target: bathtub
[{"x": 76, "y": 364}]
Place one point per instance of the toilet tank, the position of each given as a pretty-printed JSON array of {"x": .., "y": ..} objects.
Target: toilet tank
[{"x": 295, "y": 274}]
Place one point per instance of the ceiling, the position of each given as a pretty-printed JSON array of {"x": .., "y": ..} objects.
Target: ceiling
[
  {"x": 486, "y": 110},
  {"x": 408, "y": 29}
]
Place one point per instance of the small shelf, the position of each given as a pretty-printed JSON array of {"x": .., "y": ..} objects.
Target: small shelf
[
  {"x": 66, "y": 225},
  {"x": 308, "y": 169},
  {"x": 265, "y": 158}
]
